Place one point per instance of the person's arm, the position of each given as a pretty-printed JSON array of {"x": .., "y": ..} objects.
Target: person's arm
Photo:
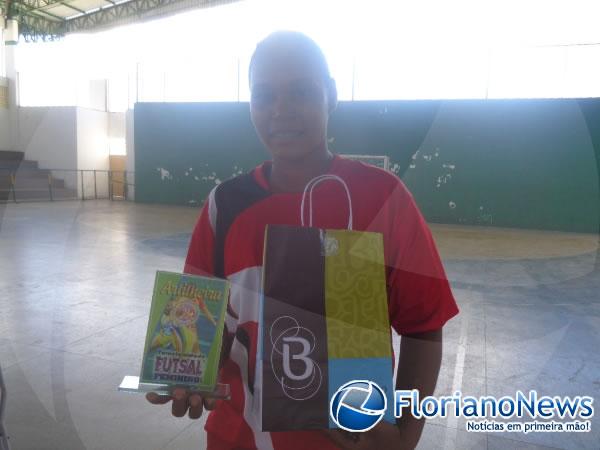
[
  {"x": 420, "y": 303},
  {"x": 418, "y": 368},
  {"x": 199, "y": 261}
]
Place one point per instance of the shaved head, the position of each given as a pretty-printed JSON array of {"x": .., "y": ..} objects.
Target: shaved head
[{"x": 291, "y": 45}]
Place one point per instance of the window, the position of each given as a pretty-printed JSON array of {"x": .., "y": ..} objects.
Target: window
[{"x": 431, "y": 49}]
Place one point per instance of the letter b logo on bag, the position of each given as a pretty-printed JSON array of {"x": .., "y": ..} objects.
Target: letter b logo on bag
[
  {"x": 302, "y": 356},
  {"x": 298, "y": 374}
]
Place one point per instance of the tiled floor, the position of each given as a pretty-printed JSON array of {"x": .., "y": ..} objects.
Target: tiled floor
[{"x": 75, "y": 284}]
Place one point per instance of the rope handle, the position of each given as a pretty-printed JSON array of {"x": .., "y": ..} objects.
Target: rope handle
[{"x": 309, "y": 189}]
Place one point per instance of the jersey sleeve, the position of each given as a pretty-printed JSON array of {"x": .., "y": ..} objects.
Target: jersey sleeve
[
  {"x": 420, "y": 298},
  {"x": 200, "y": 255}
]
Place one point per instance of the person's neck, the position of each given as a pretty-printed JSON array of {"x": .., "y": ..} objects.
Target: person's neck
[{"x": 292, "y": 176}]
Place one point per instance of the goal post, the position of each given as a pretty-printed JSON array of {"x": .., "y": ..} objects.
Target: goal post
[{"x": 383, "y": 162}]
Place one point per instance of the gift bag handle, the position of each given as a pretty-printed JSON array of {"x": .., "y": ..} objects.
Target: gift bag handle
[{"x": 309, "y": 189}]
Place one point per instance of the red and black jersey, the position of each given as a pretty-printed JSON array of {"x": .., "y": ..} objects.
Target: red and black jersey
[{"x": 228, "y": 241}]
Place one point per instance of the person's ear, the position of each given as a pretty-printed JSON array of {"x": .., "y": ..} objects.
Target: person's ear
[{"x": 332, "y": 98}]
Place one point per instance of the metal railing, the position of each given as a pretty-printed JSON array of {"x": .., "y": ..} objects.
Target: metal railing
[{"x": 22, "y": 184}]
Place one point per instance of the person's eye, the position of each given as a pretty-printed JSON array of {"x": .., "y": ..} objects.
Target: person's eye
[
  {"x": 301, "y": 92},
  {"x": 262, "y": 98},
  {"x": 304, "y": 93}
]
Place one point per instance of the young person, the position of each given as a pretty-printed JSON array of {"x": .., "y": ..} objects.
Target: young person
[{"x": 292, "y": 96}]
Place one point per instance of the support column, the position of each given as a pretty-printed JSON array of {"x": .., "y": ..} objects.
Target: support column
[
  {"x": 10, "y": 54},
  {"x": 5, "y": 140}
]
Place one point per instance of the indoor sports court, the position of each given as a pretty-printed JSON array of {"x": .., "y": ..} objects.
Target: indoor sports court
[{"x": 118, "y": 120}]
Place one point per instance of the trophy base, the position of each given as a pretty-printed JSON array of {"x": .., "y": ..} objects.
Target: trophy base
[{"x": 132, "y": 385}]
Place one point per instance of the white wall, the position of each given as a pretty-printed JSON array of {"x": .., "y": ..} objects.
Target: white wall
[
  {"x": 4, "y": 129},
  {"x": 92, "y": 150},
  {"x": 4, "y": 118},
  {"x": 97, "y": 95},
  {"x": 116, "y": 133},
  {"x": 8, "y": 116},
  {"x": 2, "y": 54},
  {"x": 116, "y": 125},
  {"x": 48, "y": 135},
  {"x": 67, "y": 138},
  {"x": 4, "y": 112}
]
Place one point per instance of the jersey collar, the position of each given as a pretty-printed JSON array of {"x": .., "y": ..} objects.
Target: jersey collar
[{"x": 261, "y": 172}]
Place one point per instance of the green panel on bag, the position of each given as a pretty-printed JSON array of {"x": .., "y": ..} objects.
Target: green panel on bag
[{"x": 355, "y": 295}]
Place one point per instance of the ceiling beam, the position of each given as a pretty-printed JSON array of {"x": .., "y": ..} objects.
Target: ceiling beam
[
  {"x": 34, "y": 24},
  {"x": 46, "y": 13},
  {"x": 46, "y": 5},
  {"x": 37, "y": 4},
  {"x": 35, "y": 28},
  {"x": 81, "y": 11},
  {"x": 135, "y": 11},
  {"x": 24, "y": 5},
  {"x": 37, "y": 22}
]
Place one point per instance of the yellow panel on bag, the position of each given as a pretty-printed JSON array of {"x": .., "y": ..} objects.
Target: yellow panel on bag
[{"x": 355, "y": 295}]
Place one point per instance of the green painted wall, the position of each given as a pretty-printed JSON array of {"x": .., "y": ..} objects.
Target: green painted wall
[
  {"x": 512, "y": 163},
  {"x": 214, "y": 140}
]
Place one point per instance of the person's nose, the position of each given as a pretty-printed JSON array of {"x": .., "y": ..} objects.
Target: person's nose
[{"x": 283, "y": 105}]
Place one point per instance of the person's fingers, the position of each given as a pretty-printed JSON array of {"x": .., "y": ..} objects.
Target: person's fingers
[
  {"x": 180, "y": 403},
  {"x": 336, "y": 438},
  {"x": 346, "y": 440},
  {"x": 183, "y": 402},
  {"x": 156, "y": 399},
  {"x": 195, "y": 402},
  {"x": 209, "y": 403}
]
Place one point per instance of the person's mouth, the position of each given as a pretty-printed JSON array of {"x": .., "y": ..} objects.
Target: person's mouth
[{"x": 285, "y": 134}]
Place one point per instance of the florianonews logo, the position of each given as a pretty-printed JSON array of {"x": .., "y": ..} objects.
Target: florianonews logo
[{"x": 358, "y": 405}]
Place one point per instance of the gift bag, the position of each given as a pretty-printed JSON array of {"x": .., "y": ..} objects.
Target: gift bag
[{"x": 323, "y": 321}]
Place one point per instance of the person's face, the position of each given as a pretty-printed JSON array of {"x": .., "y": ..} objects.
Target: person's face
[{"x": 289, "y": 105}]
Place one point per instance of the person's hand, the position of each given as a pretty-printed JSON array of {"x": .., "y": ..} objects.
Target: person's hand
[
  {"x": 383, "y": 436},
  {"x": 183, "y": 402}
]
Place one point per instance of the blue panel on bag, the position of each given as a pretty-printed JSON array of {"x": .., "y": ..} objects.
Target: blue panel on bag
[{"x": 354, "y": 406}]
